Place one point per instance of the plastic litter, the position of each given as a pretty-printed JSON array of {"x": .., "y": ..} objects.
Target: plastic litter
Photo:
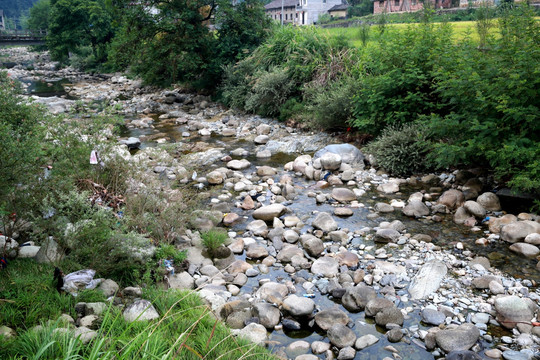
[
  {"x": 78, "y": 280},
  {"x": 168, "y": 264},
  {"x": 486, "y": 219},
  {"x": 310, "y": 296}
]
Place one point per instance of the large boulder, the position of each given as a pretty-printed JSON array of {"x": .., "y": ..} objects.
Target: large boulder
[
  {"x": 343, "y": 195},
  {"x": 475, "y": 209},
  {"x": 140, "y": 310},
  {"x": 387, "y": 235},
  {"x": 313, "y": 245},
  {"x": 518, "y": 231},
  {"x": 50, "y": 252},
  {"x": 330, "y": 161},
  {"x": 489, "y": 201},
  {"x": 462, "y": 337},
  {"x": 525, "y": 249},
  {"x": 272, "y": 292},
  {"x": 298, "y": 306},
  {"x": 324, "y": 222},
  {"x": 326, "y": 265},
  {"x": 416, "y": 208},
  {"x": 451, "y": 198},
  {"x": 495, "y": 224},
  {"x": 268, "y": 314},
  {"x": 238, "y": 164},
  {"x": 255, "y": 333},
  {"x": 376, "y": 305},
  {"x": 341, "y": 336},
  {"x": 268, "y": 213},
  {"x": 349, "y": 154},
  {"x": 182, "y": 280},
  {"x": 428, "y": 279},
  {"x": 325, "y": 319},
  {"x": 288, "y": 252},
  {"x": 512, "y": 310},
  {"x": 389, "y": 315},
  {"x": 356, "y": 298},
  {"x": 258, "y": 228}
]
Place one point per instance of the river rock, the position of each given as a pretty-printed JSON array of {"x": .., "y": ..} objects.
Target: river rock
[
  {"x": 427, "y": 280},
  {"x": 140, "y": 310},
  {"x": 255, "y": 333},
  {"x": 347, "y": 353},
  {"x": 330, "y": 161},
  {"x": 215, "y": 177},
  {"x": 495, "y": 224},
  {"x": 341, "y": 336},
  {"x": 287, "y": 252},
  {"x": 324, "y": 222},
  {"x": 266, "y": 171},
  {"x": 389, "y": 187},
  {"x": 387, "y": 235},
  {"x": 248, "y": 203},
  {"x": 325, "y": 319},
  {"x": 518, "y": 231},
  {"x": 272, "y": 292},
  {"x": 238, "y": 164},
  {"x": 256, "y": 251},
  {"x": 383, "y": 207},
  {"x": 343, "y": 195},
  {"x": 389, "y": 315},
  {"x": 356, "y": 298},
  {"x": 489, "y": 201},
  {"x": 49, "y": 252},
  {"x": 461, "y": 215},
  {"x": 182, "y": 280},
  {"x": 533, "y": 239},
  {"x": 451, "y": 198},
  {"x": 525, "y": 249},
  {"x": 462, "y": 337},
  {"x": 326, "y": 265},
  {"x": 433, "y": 317},
  {"x": 268, "y": 213},
  {"x": 343, "y": 211},
  {"x": 347, "y": 258},
  {"x": 483, "y": 282},
  {"x": 416, "y": 208},
  {"x": 376, "y": 305},
  {"x": 298, "y": 306},
  {"x": 132, "y": 142},
  {"x": 258, "y": 228},
  {"x": 108, "y": 287},
  {"x": 313, "y": 245},
  {"x": 475, "y": 209},
  {"x": 268, "y": 315},
  {"x": 6, "y": 332},
  {"x": 463, "y": 355},
  {"x": 84, "y": 334},
  {"x": 365, "y": 341},
  {"x": 261, "y": 139},
  {"x": 349, "y": 154},
  {"x": 27, "y": 251},
  {"x": 512, "y": 309}
]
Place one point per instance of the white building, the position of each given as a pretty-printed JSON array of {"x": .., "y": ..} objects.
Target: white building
[{"x": 300, "y": 12}]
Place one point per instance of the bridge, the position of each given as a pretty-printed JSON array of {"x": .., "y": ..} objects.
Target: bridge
[{"x": 20, "y": 37}]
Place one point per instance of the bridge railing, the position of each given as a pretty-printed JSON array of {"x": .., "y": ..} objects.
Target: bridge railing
[{"x": 18, "y": 35}]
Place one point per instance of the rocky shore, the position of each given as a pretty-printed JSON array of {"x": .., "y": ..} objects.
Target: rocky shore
[{"x": 323, "y": 245}]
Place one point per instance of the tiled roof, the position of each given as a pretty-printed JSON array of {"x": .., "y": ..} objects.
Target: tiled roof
[
  {"x": 276, "y": 4},
  {"x": 339, "y": 7}
]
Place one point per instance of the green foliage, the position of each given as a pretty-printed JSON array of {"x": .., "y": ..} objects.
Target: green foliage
[
  {"x": 13, "y": 10},
  {"x": 213, "y": 239},
  {"x": 270, "y": 91},
  {"x": 32, "y": 296},
  {"x": 401, "y": 150},
  {"x": 324, "y": 18},
  {"x": 331, "y": 108},
  {"x": 187, "y": 328},
  {"x": 38, "y": 18},
  {"x": 74, "y": 24},
  {"x": 363, "y": 33},
  {"x": 398, "y": 81},
  {"x": 169, "y": 252},
  {"x": 484, "y": 22},
  {"x": 360, "y": 8}
]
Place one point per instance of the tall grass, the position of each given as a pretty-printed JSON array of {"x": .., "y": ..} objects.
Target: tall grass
[{"x": 186, "y": 329}]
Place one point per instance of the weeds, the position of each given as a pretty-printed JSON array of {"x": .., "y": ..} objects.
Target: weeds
[{"x": 213, "y": 239}]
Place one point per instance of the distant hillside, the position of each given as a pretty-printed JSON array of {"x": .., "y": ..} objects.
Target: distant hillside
[{"x": 13, "y": 9}]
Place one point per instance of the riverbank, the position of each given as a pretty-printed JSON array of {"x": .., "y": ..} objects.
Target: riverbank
[{"x": 326, "y": 256}]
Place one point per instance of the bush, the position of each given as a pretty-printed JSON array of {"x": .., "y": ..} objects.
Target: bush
[
  {"x": 270, "y": 92},
  {"x": 213, "y": 239},
  {"x": 169, "y": 252},
  {"x": 401, "y": 150},
  {"x": 331, "y": 108}
]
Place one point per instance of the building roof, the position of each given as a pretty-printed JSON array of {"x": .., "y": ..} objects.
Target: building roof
[
  {"x": 339, "y": 7},
  {"x": 276, "y": 4}
]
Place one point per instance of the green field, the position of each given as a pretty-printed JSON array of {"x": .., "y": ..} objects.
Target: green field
[{"x": 461, "y": 29}]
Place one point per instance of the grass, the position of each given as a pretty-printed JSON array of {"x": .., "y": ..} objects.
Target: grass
[
  {"x": 213, "y": 239},
  {"x": 461, "y": 29},
  {"x": 186, "y": 329}
]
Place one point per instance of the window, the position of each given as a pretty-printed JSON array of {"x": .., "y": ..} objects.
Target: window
[
  {"x": 324, "y": 1},
  {"x": 414, "y": 2},
  {"x": 305, "y": 2},
  {"x": 396, "y": 2}
]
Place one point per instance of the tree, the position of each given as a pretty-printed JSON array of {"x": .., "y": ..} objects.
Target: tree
[
  {"x": 74, "y": 24},
  {"x": 38, "y": 18}
]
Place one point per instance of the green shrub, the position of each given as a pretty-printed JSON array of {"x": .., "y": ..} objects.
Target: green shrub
[
  {"x": 270, "y": 92},
  {"x": 169, "y": 252},
  {"x": 213, "y": 239},
  {"x": 331, "y": 108},
  {"x": 401, "y": 150}
]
